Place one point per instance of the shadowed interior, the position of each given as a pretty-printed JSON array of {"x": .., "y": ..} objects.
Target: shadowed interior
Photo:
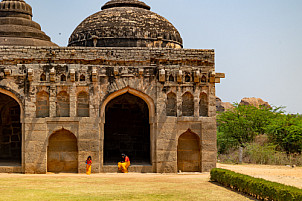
[
  {"x": 10, "y": 130},
  {"x": 127, "y": 130}
]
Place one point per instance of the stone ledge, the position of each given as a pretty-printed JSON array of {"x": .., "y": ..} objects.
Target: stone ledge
[
  {"x": 132, "y": 168},
  {"x": 10, "y": 169}
]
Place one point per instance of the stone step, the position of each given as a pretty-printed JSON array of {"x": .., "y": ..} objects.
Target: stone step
[
  {"x": 10, "y": 169},
  {"x": 132, "y": 168}
]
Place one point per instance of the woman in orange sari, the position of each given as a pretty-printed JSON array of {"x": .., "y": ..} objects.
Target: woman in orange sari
[
  {"x": 123, "y": 165},
  {"x": 88, "y": 165}
]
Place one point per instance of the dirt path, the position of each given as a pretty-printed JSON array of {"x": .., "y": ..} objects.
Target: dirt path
[{"x": 281, "y": 174}]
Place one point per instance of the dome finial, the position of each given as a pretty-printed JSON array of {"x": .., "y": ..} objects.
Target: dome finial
[{"x": 125, "y": 3}]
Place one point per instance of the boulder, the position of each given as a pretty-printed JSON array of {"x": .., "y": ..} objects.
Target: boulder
[
  {"x": 257, "y": 102},
  {"x": 223, "y": 106}
]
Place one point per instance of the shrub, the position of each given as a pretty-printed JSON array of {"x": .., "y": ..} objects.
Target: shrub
[
  {"x": 258, "y": 188},
  {"x": 265, "y": 154}
]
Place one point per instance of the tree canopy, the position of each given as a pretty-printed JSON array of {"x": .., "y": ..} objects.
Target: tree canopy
[{"x": 243, "y": 123}]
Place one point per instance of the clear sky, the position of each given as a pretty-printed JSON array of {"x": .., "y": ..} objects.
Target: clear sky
[{"x": 258, "y": 43}]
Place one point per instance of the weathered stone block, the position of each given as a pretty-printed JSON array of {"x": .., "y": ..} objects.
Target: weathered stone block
[
  {"x": 209, "y": 156},
  {"x": 168, "y": 156},
  {"x": 166, "y": 145},
  {"x": 166, "y": 167}
]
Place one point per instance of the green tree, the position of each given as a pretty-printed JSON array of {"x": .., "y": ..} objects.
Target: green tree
[
  {"x": 286, "y": 132},
  {"x": 242, "y": 124}
]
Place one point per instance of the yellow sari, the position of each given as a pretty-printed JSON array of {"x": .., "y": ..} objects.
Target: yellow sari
[
  {"x": 88, "y": 167},
  {"x": 123, "y": 166}
]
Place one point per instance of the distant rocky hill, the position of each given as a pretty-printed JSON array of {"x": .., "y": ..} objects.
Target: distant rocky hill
[
  {"x": 223, "y": 106},
  {"x": 257, "y": 102}
]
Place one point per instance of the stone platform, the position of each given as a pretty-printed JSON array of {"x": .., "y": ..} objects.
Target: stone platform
[
  {"x": 132, "y": 168},
  {"x": 10, "y": 169}
]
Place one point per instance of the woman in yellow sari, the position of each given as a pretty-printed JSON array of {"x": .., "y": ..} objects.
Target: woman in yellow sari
[
  {"x": 88, "y": 165},
  {"x": 123, "y": 165}
]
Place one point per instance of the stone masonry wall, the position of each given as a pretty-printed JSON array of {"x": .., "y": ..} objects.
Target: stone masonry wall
[{"x": 77, "y": 83}]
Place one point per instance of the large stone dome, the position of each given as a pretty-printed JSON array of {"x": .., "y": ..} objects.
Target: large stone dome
[
  {"x": 126, "y": 23},
  {"x": 17, "y": 27}
]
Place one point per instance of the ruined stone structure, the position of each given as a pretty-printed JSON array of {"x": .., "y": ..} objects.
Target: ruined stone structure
[{"x": 124, "y": 84}]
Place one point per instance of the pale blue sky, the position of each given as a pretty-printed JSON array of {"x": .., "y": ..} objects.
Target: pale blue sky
[{"x": 258, "y": 43}]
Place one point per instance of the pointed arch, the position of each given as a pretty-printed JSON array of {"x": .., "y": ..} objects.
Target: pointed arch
[
  {"x": 151, "y": 114},
  {"x": 63, "y": 104},
  {"x": 203, "y": 79},
  {"x": 82, "y": 78},
  {"x": 171, "y": 105},
  {"x": 11, "y": 132},
  {"x": 63, "y": 78},
  {"x": 62, "y": 152},
  {"x": 188, "y": 104},
  {"x": 171, "y": 78},
  {"x": 203, "y": 105},
  {"x": 187, "y": 78},
  {"x": 134, "y": 92},
  {"x": 42, "y": 104},
  {"x": 188, "y": 152},
  {"x": 83, "y": 104},
  {"x": 43, "y": 77}
]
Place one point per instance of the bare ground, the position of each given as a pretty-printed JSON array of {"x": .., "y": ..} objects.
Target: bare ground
[
  {"x": 132, "y": 186},
  {"x": 135, "y": 186},
  {"x": 281, "y": 174}
]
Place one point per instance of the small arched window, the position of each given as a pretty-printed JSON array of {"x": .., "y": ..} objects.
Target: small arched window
[
  {"x": 203, "y": 105},
  {"x": 42, "y": 105},
  {"x": 43, "y": 77},
  {"x": 171, "y": 107},
  {"x": 63, "y": 78},
  {"x": 203, "y": 79},
  {"x": 188, "y": 78},
  {"x": 187, "y": 104},
  {"x": 63, "y": 104},
  {"x": 171, "y": 78},
  {"x": 82, "y": 78},
  {"x": 83, "y": 105}
]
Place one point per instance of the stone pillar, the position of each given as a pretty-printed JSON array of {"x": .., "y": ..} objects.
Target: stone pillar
[
  {"x": 52, "y": 101},
  {"x": 179, "y": 102},
  {"x": 35, "y": 147},
  {"x": 212, "y": 101},
  {"x": 196, "y": 103},
  {"x": 73, "y": 101},
  {"x": 208, "y": 144}
]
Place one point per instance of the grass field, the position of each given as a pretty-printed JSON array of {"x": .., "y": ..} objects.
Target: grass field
[{"x": 113, "y": 187}]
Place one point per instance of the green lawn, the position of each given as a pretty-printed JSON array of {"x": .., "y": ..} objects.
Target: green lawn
[{"x": 113, "y": 187}]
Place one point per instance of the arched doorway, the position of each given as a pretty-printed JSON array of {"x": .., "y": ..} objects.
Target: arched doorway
[
  {"x": 188, "y": 152},
  {"x": 62, "y": 152},
  {"x": 10, "y": 131},
  {"x": 127, "y": 130}
]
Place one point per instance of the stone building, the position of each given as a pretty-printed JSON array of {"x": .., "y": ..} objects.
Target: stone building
[{"x": 123, "y": 84}]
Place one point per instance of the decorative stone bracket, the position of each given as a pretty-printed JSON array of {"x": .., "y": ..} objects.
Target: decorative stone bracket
[
  {"x": 215, "y": 77},
  {"x": 72, "y": 75},
  {"x": 52, "y": 75},
  {"x": 30, "y": 73},
  {"x": 94, "y": 75}
]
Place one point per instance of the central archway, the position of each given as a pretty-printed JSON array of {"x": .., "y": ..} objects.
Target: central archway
[{"x": 127, "y": 130}]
